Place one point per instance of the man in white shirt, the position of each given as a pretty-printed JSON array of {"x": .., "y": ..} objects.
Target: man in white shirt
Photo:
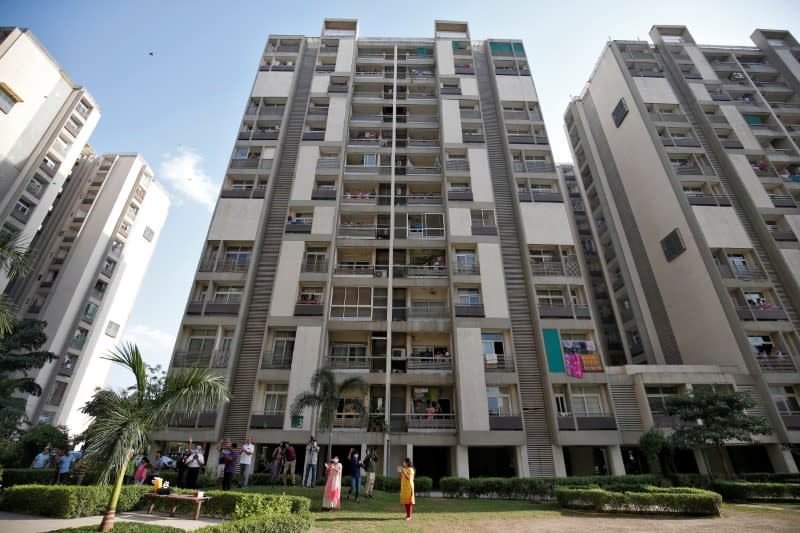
[
  {"x": 194, "y": 464},
  {"x": 246, "y": 460},
  {"x": 310, "y": 472}
]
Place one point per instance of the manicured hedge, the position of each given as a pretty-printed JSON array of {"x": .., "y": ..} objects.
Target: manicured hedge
[
  {"x": 264, "y": 523},
  {"x": 771, "y": 478},
  {"x": 64, "y": 501},
  {"x": 651, "y": 500},
  {"x": 234, "y": 505},
  {"x": 743, "y": 490},
  {"x": 124, "y": 527},
  {"x": 536, "y": 488},
  {"x": 28, "y": 476}
]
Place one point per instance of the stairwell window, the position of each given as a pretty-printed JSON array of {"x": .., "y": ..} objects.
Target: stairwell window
[
  {"x": 494, "y": 349},
  {"x": 112, "y": 330},
  {"x": 8, "y": 98}
]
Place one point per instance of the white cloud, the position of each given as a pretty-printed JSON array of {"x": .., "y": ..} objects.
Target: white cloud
[{"x": 184, "y": 172}]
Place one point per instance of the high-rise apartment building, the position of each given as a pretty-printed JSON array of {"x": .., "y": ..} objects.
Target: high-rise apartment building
[
  {"x": 392, "y": 210},
  {"x": 45, "y": 121},
  {"x": 91, "y": 258},
  {"x": 687, "y": 209}
]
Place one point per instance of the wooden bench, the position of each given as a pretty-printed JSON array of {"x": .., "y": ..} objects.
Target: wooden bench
[{"x": 176, "y": 499}]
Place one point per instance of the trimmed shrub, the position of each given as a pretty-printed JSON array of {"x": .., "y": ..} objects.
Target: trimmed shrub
[
  {"x": 124, "y": 527},
  {"x": 454, "y": 487},
  {"x": 537, "y": 488},
  {"x": 264, "y": 523},
  {"x": 387, "y": 483},
  {"x": 28, "y": 476},
  {"x": 652, "y": 500},
  {"x": 746, "y": 491},
  {"x": 771, "y": 478},
  {"x": 234, "y": 505},
  {"x": 422, "y": 485},
  {"x": 64, "y": 501},
  {"x": 204, "y": 481}
]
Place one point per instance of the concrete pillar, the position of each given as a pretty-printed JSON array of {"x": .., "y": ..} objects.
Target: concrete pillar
[
  {"x": 462, "y": 461},
  {"x": 782, "y": 460},
  {"x": 701, "y": 462},
  {"x": 409, "y": 453},
  {"x": 521, "y": 456},
  {"x": 558, "y": 460},
  {"x": 615, "y": 463}
]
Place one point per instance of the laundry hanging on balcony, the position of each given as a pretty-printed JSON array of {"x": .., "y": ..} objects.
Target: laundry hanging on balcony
[{"x": 574, "y": 365}]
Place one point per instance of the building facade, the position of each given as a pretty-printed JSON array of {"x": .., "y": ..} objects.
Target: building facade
[
  {"x": 92, "y": 255},
  {"x": 686, "y": 204},
  {"x": 392, "y": 210},
  {"x": 45, "y": 122}
]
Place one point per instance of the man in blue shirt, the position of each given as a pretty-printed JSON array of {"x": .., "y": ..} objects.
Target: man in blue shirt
[
  {"x": 64, "y": 462},
  {"x": 42, "y": 459},
  {"x": 355, "y": 473}
]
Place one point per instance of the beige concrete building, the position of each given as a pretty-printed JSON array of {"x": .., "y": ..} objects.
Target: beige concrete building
[
  {"x": 392, "y": 210},
  {"x": 687, "y": 206},
  {"x": 92, "y": 255},
  {"x": 45, "y": 121}
]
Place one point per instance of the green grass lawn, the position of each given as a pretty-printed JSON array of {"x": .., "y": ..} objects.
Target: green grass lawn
[{"x": 384, "y": 513}]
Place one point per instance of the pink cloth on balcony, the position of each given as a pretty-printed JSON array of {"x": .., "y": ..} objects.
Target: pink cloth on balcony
[{"x": 574, "y": 365}]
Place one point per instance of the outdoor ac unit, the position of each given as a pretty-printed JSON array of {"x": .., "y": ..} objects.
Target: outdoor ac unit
[
  {"x": 737, "y": 76},
  {"x": 398, "y": 353},
  {"x": 379, "y": 273}
]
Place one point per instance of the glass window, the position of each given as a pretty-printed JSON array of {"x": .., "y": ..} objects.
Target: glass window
[
  {"x": 275, "y": 395},
  {"x": 499, "y": 399},
  {"x": 468, "y": 296},
  {"x": 466, "y": 261},
  {"x": 283, "y": 343},
  {"x": 310, "y": 295},
  {"x": 7, "y": 98},
  {"x": 785, "y": 399},
  {"x": 112, "y": 329},
  {"x": 587, "y": 400},
  {"x": 228, "y": 295},
  {"x": 238, "y": 254},
  {"x": 89, "y": 311},
  {"x": 149, "y": 234},
  {"x": 201, "y": 340},
  {"x": 549, "y": 296},
  {"x": 560, "y": 400},
  {"x": 352, "y": 302},
  {"x": 657, "y": 397}
]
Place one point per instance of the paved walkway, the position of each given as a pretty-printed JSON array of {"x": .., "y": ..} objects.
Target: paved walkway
[{"x": 20, "y": 523}]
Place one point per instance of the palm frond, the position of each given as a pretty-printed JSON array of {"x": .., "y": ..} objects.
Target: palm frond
[
  {"x": 128, "y": 355},
  {"x": 189, "y": 389},
  {"x": 16, "y": 259},
  {"x": 352, "y": 384},
  {"x": 305, "y": 400},
  {"x": 8, "y": 314},
  {"x": 323, "y": 382}
]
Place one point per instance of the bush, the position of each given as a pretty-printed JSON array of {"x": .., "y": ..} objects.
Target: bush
[
  {"x": 387, "y": 483},
  {"x": 64, "y": 501},
  {"x": 454, "y": 487},
  {"x": 124, "y": 527},
  {"x": 28, "y": 476},
  {"x": 422, "y": 485},
  {"x": 771, "y": 478},
  {"x": 264, "y": 523},
  {"x": 742, "y": 490},
  {"x": 652, "y": 500},
  {"x": 234, "y": 505},
  {"x": 537, "y": 488}
]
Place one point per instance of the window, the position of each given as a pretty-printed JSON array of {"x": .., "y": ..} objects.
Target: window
[
  {"x": 542, "y": 256},
  {"x": 587, "y": 400},
  {"x": 499, "y": 401},
  {"x": 112, "y": 329},
  {"x": 83, "y": 109},
  {"x": 657, "y": 397},
  {"x": 201, "y": 341},
  {"x": 238, "y": 254},
  {"x": 620, "y": 112},
  {"x": 310, "y": 295},
  {"x": 466, "y": 261},
  {"x": 241, "y": 153},
  {"x": 60, "y": 144},
  {"x": 149, "y": 234},
  {"x": 79, "y": 338},
  {"x": 785, "y": 399},
  {"x": 352, "y": 302},
  {"x": 133, "y": 212},
  {"x": 7, "y": 98},
  {"x": 673, "y": 245},
  {"x": 349, "y": 352},
  {"x": 89, "y": 312},
  {"x": 275, "y": 395},
  {"x": 550, "y": 297},
  {"x": 228, "y": 295},
  {"x": 22, "y": 207},
  {"x": 283, "y": 343},
  {"x": 483, "y": 217},
  {"x": 468, "y": 296},
  {"x": 493, "y": 348},
  {"x": 560, "y": 400}
]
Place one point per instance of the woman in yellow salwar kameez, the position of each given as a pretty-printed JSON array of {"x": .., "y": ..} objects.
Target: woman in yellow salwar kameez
[{"x": 407, "y": 473}]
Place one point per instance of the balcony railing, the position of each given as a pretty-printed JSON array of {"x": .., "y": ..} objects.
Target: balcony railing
[
  {"x": 220, "y": 358},
  {"x": 270, "y": 360},
  {"x": 556, "y": 268},
  {"x": 22, "y": 215},
  {"x": 470, "y": 310},
  {"x": 534, "y": 166},
  {"x": 743, "y": 272},
  {"x": 776, "y": 363},
  {"x": 483, "y": 229},
  {"x": 422, "y": 422},
  {"x": 314, "y": 264},
  {"x": 267, "y": 419},
  {"x": 304, "y": 308},
  {"x": 362, "y": 231},
  {"x": 355, "y": 268},
  {"x": 498, "y": 363},
  {"x": 514, "y": 138},
  {"x": 419, "y": 271},
  {"x": 752, "y": 313},
  {"x": 187, "y": 359},
  {"x": 365, "y": 363},
  {"x": 428, "y": 309},
  {"x": 564, "y": 311},
  {"x": 783, "y": 235},
  {"x": 467, "y": 269},
  {"x": 47, "y": 169},
  {"x": 779, "y": 200},
  {"x": 460, "y": 195},
  {"x": 587, "y": 422},
  {"x": 418, "y": 233},
  {"x": 505, "y": 421},
  {"x": 36, "y": 190},
  {"x": 77, "y": 343},
  {"x": 456, "y": 165}
]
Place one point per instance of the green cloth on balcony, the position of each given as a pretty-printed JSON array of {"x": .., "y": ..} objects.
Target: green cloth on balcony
[{"x": 552, "y": 345}]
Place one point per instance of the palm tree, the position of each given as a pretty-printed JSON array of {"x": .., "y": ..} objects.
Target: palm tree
[
  {"x": 324, "y": 395},
  {"x": 15, "y": 262},
  {"x": 124, "y": 420}
]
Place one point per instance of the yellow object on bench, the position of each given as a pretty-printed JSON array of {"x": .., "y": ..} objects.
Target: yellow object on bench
[{"x": 176, "y": 499}]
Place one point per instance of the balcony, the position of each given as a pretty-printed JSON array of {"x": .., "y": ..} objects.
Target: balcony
[
  {"x": 687, "y": 142},
  {"x": 498, "y": 363},
  {"x": 472, "y": 137},
  {"x": 731, "y": 144},
  {"x": 483, "y": 229},
  {"x": 456, "y": 165},
  {"x": 669, "y": 421},
  {"x": 298, "y": 227},
  {"x": 779, "y": 200},
  {"x": 233, "y": 265},
  {"x": 419, "y": 233},
  {"x": 514, "y": 138},
  {"x": 783, "y": 235},
  {"x": 776, "y": 363},
  {"x": 743, "y": 272},
  {"x": 22, "y": 215},
  {"x": 465, "y": 69},
  {"x": 467, "y": 269},
  {"x": 77, "y": 343},
  {"x": 328, "y": 164},
  {"x": 464, "y": 195},
  {"x": 230, "y": 306},
  {"x": 308, "y": 309},
  {"x": 314, "y": 136},
  {"x": 36, "y": 189},
  {"x": 419, "y": 271},
  {"x": 593, "y": 422},
  {"x": 195, "y": 307},
  {"x": 533, "y": 165},
  {"x": 470, "y": 310},
  {"x": 450, "y": 90},
  {"x": 505, "y": 422},
  {"x": 692, "y": 170},
  {"x": 425, "y": 361},
  {"x": 752, "y": 313},
  {"x": 547, "y": 197},
  {"x": 422, "y": 423},
  {"x": 220, "y": 358},
  {"x": 251, "y": 162},
  {"x": 72, "y": 128},
  {"x": 564, "y": 311},
  {"x": 696, "y": 198},
  {"x": 191, "y": 419},
  {"x": 187, "y": 359},
  {"x": 236, "y": 193},
  {"x": 323, "y": 194},
  {"x": 267, "y": 135},
  {"x": 338, "y": 88},
  {"x": 267, "y": 419},
  {"x": 646, "y": 73},
  {"x": 325, "y": 68},
  {"x": 362, "y": 231},
  {"x": 365, "y": 363},
  {"x": 668, "y": 117},
  {"x": 47, "y": 169},
  {"x": 556, "y": 268},
  {"x": 424, "y": 309},
  {"x": 419, "y": 171},
  {"x": 791, "y": 420},
  {"x": 276, "y": 361}
]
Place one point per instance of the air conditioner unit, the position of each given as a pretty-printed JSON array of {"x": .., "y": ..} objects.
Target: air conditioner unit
[
  {"x": 737, "y": 76},
  {"x": 379, "y": 273},
  {"x": 398, "y": 353}
]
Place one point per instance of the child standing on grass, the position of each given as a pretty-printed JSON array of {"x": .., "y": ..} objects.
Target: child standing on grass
[{"x": 407, "y": 474}]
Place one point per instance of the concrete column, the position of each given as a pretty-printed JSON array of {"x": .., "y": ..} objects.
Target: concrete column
[
  {"x": 409, "y": 453},
  {"x": 521, "y": 455},
  {"x": 701, "y": 462},
  {"x": 615, "y": 462},
  {"x": 782, "y": 460},
  {"x": 462, "y": 461},
  {"x": 558, "y": 460}
]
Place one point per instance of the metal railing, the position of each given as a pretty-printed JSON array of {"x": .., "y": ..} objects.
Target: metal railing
[
  {"x": 469, "y": 269},
  {"x": 419, "y": 271},
  {"x": 187, "y": 359},
  {"x": 363, "y": 231},
  {"x": 220, "y": 358},
  {"x": 533, "y": 166},
  {"x": 314, "y": 264},
  {"x": 776, "y": 363},
  {"x": 354, "y": 268},
  {"x": 427, "y": 309},
  {"x": 498, "y": 363},
  {"x": 411, "y": 422},
  {"x": 555, "y": 268},
  {"x": 270, "y": 360}
]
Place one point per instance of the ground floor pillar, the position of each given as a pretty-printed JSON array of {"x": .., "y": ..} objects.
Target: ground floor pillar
[
  {"x": 615, "y": 463},
  {"x": 558, "y": 461},
  {"x": 781, "y": 458},
  {"x": 461, "y": 461}
]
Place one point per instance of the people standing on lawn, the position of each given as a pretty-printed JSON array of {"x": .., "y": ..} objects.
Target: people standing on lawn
[
  {"x": 157, "y": 465},
  {"x": 407, "y": 474},
  {"x": 180, "y": 466},
  {"x": 246, "y": 459},
  {"x": 42, "y": 459},
  {"x": 140, "y": 475},
  {"x": 277, "y": 463},
  {"x": 312, "y": 456},
  {"x": 223, "y": 447},
  {"x": 194, "y": 464},
  {"x": 331, "y": 496},
  {"x": 64, "y": 463},
  {"x": 369, "y": 463},
  {"x": 355, "y": 473},
  {"x": 290, "y": 462},
  {"x": 231, "y": 463},
  {"x": 130, "y": 470}
]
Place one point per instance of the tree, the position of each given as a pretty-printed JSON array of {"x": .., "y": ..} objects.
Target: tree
[
  {"x": 15, "y": 262},
  {"x": 324, "y": 395},
  {"x": 721, "y": 416},
  {"x": 19, "y": 354},
  {"x": 654, "y": 445},
  {"x": 124, "y": 420}
]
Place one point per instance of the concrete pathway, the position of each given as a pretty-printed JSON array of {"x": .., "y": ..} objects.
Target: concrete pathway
[{"x": 20, "y": 523}]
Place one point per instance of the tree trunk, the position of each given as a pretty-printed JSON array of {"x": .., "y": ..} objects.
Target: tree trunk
[{"x": 111, "y": 509}]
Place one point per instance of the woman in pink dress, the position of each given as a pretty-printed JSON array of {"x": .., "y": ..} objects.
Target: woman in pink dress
[{"x": 333, "y": 485}]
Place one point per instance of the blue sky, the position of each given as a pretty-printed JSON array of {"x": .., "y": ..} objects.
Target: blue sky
[{"x": 181, "y": 108}]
